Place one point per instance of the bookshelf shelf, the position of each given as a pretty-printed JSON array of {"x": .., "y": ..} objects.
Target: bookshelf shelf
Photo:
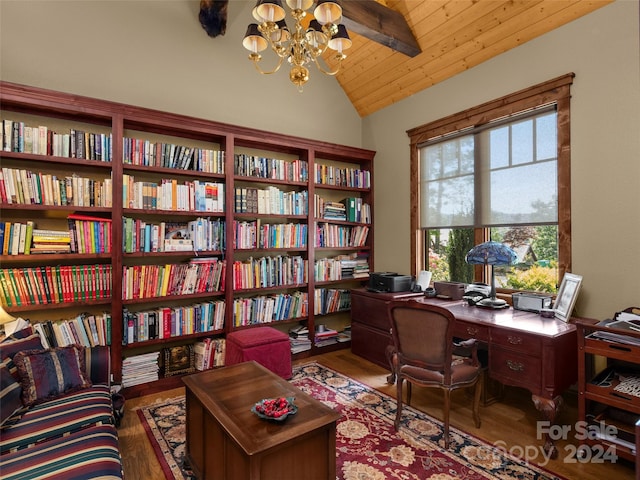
[{"x": 140, "y": 148}]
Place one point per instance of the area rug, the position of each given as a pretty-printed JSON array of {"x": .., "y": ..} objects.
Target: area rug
[{"x": 367, "y": 445}]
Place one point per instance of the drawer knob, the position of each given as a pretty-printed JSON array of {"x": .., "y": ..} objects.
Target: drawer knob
[
  {"x": 514, "y": 340},
  {"x": 515, "y": 366},
  {"x": 472, "y": 331}
]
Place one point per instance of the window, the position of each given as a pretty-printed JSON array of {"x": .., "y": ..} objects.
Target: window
[{"x": 499, "y": 171}]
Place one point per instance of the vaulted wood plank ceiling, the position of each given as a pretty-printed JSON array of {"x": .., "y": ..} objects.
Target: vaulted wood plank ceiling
[{"x": 453, "y": 35}]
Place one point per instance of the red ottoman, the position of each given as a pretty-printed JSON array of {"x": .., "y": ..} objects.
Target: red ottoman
[{"x": 266, "y": 345}]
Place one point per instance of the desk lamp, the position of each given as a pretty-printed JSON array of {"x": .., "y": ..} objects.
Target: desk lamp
[
  {"x": 6, "y": 321},
  {"x": 491, "y": 253}
]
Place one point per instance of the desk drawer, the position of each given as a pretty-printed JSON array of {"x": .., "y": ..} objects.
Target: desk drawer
[
  {"x": 513, "y": 339},
  {"x": 370, "y": 311},
  {"x": 370, "y": 343},
  {"x": 471, "y": 330},
  {"x": 514, "y": 368}
]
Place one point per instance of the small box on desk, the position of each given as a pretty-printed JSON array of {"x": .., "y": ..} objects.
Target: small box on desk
[{"x": 452, "y": 290}]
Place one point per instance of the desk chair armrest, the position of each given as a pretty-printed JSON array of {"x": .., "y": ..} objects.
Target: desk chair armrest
[{"x": 468, "y": 348}]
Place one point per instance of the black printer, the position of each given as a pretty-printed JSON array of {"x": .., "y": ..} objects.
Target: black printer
[{"x": 389, "y": 282}]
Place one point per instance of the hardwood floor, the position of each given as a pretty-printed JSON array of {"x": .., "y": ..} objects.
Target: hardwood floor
[{"x": 509, "y": 423}]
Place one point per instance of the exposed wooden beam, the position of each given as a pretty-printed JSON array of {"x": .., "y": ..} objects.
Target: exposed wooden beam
[{"x": 380, "y": 24}]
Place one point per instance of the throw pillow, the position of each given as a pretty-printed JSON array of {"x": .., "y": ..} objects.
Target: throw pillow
[
  {"x": 47, "y": 374},
  {"x": 10, "y": 392}
]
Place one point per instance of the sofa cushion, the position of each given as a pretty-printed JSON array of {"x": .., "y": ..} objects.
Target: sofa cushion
[
  {"x": 46, "y": 374},
  {"x": 58, "y": 417},
  {"x": 98, "y": 364},
  {"x": 10, "y": 392},
  {"x": 90, "y": 453},
  {"x": 25, "y": 332},
  {"x": 10, "y": 346}
]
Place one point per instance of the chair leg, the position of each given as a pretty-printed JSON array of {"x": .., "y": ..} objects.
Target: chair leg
[
  {"x": 409, "y": 392},
  {"x": 447, "y": 404},
  {"x": 476, "y": 402},
  {"x": 399, "y": 382}
]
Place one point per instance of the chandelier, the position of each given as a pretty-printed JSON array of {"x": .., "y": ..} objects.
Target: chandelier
[{"x": 303, "y": 46}]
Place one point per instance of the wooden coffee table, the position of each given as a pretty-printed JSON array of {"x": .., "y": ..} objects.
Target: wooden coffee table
[{"x": 225, "y": 440}]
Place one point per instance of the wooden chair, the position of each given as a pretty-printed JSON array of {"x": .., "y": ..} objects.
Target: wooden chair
[{"x": 423, "y": 343}]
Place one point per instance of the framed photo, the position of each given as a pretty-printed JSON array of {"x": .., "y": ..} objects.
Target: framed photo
[
  {"x": 567, "y": 296},
  {"x": 179, "y": 360}
]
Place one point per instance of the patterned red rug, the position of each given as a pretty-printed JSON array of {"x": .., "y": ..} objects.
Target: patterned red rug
[{"x": 367, "y": 445}]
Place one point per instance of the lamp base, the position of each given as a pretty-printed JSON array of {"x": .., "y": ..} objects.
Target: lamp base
[{"x": 492, "y": 302}]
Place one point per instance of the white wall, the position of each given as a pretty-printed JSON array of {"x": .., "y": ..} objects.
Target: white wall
[
  {"x": 155, "y": 54},
  {"x": 602, "y": 49}
]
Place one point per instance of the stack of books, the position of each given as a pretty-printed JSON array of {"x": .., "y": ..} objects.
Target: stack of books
[
  {"x": 140, "y": 369},
  {"x": 345, "y": 335},
  {"x": 299, "y": 339},
  {"x": 325, "y": 336},
  {"x": 334, "y": 211},
  {"x": 50, "y": 241},
  {"x": 354, "y": 265}
]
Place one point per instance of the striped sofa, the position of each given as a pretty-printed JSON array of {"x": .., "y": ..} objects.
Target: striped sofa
[{"x": 67, "y": 436}]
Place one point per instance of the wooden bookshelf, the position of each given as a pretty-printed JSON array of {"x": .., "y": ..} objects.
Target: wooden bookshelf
[{"x": 140, "y": 153}]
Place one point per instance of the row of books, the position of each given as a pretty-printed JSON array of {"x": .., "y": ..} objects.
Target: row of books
[
  {"x": 89, "y": 234},
  {"x": 201, "y": 234},
  {"x": 210, "y": 353},
  {"x": 168, "y": 322},
  {"x": 25, "y": 187},
  {"x": 331, "y": 300},
  {"x": 267, "y": 309},
  {"x": 140, "y": 369},
  {"x": 270, "y": 200},
  {"x": 342, "y": 177},
  {"x": 55, "y": 284},
  {"x": 266, "y": 272},
  {"x": 257, "y": 235},
  {"x": 86, "y": 234},
  {"x": 353, "y": 265},
  {"x": 272, "y": 168},
  {"x": 168, "y": 155},
  {"x": 189, "y": 196},
  {"x": 15, "y": 237},
  {"x": 85, "y": 329},
  {"x": 329, "y": 235},
  {"x": 357, "y": 210},
  {"x": 19, "y": 137},
  {"x": 200, "y": 275}
]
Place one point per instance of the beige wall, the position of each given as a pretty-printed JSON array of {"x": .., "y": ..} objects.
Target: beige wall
[
  {"x": 155, "y": 54},
  {"x": 602, "y": 49}
]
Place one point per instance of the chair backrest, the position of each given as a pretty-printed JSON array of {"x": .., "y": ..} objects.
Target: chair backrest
[{"x": 422, "y": 334}]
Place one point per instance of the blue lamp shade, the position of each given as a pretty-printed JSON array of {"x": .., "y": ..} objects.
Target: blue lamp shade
[{"x": 491, "y": 253}]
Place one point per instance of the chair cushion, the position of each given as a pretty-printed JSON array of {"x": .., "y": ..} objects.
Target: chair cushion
[
  {"x": 90, "y": 453},
  {"x": 461, "y": 374}
]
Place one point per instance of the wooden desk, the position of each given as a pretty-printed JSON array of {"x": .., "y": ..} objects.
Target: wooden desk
[
  {"x": 225, "y": 440},
  {"x": 525, "y": 349}
]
